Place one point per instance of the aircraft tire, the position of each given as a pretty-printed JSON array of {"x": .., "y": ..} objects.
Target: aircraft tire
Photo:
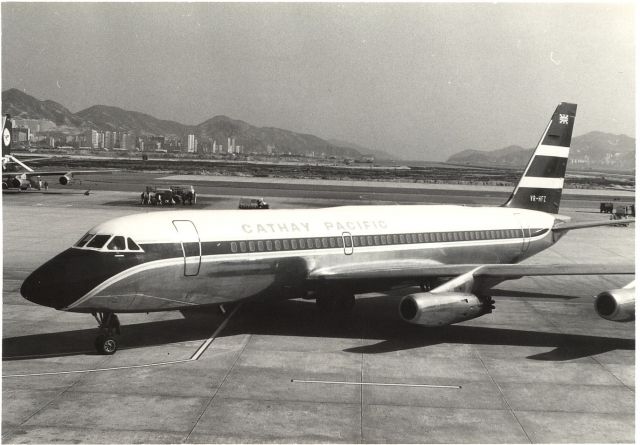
[{"x": 106, "y": 344}]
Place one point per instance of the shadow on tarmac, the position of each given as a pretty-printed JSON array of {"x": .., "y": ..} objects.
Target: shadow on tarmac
[{"x": 372, "y": 318}]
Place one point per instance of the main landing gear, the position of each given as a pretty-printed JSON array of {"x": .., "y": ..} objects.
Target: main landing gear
[
  {"x": 109, "y": 327},
  {"x": 336, "y": 302}
]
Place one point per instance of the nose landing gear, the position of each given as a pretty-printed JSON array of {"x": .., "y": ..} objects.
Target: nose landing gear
[{"x": 109, "y": 326}]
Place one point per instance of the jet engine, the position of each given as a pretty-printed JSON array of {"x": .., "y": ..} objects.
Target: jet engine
[
  {"x": 65, "y": 179},
  {"x": 443, "y": 308},
  {"x": 617, "y": 304}
]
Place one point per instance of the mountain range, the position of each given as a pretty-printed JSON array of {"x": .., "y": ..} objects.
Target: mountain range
[
  {"x": 594, "y": 149},
  {"x": 105, "y": 118},
  {"x": 591, "y": 150}
]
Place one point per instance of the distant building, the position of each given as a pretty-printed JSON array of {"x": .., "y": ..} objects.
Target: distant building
[
  {"x": 92, "y": 139},
  {"x": 109, "y": 140},
  {"x": 191, "y": 144},
  {"x": 231, "y": 145},
  {"x": 127, "y": 142},
  {"x": 21, "y": 134}
]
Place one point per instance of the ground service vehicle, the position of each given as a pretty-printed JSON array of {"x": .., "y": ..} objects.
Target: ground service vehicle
[{"x": 253, "y": 203}]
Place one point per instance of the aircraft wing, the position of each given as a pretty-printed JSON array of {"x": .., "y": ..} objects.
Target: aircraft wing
[
  {"x": 479, "y": 273},
  {"x": 60, "y": 173},
  {"x": 564, "y": 227}
]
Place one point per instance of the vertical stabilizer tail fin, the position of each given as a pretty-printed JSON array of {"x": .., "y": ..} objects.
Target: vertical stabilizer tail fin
[
  {"x": 6, "y": 135},
  {"x": 540, "y": 187}
]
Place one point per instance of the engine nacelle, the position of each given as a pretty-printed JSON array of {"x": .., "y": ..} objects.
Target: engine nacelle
[
  {"x": 65, "y": 179},
  {"x": 444, "y": 308},
  {"x": 617, "y": 304}
]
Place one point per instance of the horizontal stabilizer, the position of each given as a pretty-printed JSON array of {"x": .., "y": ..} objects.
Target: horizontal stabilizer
[{"x": 565, "y": 227}]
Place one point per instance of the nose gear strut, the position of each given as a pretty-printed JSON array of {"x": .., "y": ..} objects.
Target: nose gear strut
[{"x": 109, "y": 327}]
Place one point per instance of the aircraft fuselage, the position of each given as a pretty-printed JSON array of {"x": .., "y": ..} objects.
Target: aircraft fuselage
[{"x": 183, "y": 259}]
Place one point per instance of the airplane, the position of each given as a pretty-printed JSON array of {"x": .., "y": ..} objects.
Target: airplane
[
  {"x": 24, "y": 180},
  {"x": 195, "y": 260}
]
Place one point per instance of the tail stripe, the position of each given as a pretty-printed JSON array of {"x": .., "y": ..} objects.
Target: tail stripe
[
  {"x": 547, "y": 167},
  {"x": 542, "y": 183},
  {"x": 553, "y": 150}
]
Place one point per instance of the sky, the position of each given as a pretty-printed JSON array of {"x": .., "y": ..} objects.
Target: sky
[{"x": 418, "y": 80}]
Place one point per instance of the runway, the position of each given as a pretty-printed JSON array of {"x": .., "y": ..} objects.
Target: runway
[{"x": 543, "y": 367}]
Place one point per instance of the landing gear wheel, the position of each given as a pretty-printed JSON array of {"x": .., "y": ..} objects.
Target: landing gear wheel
[
  {"x": 106, "y": 345},
  {"x": 109, "y": 326}
]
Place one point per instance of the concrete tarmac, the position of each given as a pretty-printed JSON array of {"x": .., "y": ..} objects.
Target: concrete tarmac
[{"x": 543, "y": 367}]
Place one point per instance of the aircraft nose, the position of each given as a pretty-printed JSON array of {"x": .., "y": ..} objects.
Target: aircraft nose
[{"x": 60, "y": 281}]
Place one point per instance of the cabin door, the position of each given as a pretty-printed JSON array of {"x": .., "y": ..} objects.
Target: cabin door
[
  {"x": 191, "y": 248},
  {"x": 348, "y": 243},
  {"x": 526, "y": 232}
]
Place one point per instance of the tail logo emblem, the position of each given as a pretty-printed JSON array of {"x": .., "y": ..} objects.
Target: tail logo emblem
[
  {"x": 564, "y": 119},
  {"x": 6, "y": 137}
]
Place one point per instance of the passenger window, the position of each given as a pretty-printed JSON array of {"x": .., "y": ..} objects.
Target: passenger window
[
  {"x": 234, "y": 247},
  {"x": 467, "y": 236},
  {"x": 252, "y": 246},
  {"x": 261, "y": 246},
  {"x": 294, "y": 244},
  {"x": 389, "y": 239},
  {"x": 117, "y": 243},
  {"x": 376, "y": 240},
  {"x": 325, "y": 242},
  {"x": 421, "y": 237},
  {"x": 318, "y": 243},
  {"x": 332, "y": 242},
  {"x": 340, "y": 244},
  {"x": 285, "y": 244},
  {"x": 395, "y": 239},
  {"x": 278, "y": 244},
  {"x": 369, "y": 240},
  {"x": 132, "y": 245},
  {"x": 98, "y": 241},
  {"x": 243, "y": 246},
  {"x": 439, "y": 237},
  {"x": 414, "y": 237},
  {"x": 356, "y": 241},
  {"x": 383, "y": 240},
  {"x": 84, "y": 240},
  {"x": 347, "y": 241},
  {"x": 269, "y": 245}
]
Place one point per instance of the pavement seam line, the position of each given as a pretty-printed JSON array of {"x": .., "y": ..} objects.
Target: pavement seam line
[
  {"x": 224, "y": 379},
  {"x": 504, "y": 398},
  {"x": 614, "y": 376},
  {"x": 57, "y": 397}
]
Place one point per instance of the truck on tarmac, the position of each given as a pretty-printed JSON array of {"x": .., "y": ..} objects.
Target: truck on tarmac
[{"x": 253, "y": 203}]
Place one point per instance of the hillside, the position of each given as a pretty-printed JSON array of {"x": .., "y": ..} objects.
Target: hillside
[
  {"x": 107, "y": 118},
  {"x": 591, "y": 150},
  {"x": 23, "y": 106},
  {"x": 104, "y": 118}
]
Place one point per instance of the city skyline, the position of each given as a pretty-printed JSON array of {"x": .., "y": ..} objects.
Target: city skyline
[{"x": 421, "y": 80}]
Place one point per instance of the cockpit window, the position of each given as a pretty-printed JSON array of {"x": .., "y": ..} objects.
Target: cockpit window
[
  {"x": 98, "y": 241},
  {"x": 117, "y": 243},
  {"x": 84, "y": 240},
  {"x": 132, "y": 244}
]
